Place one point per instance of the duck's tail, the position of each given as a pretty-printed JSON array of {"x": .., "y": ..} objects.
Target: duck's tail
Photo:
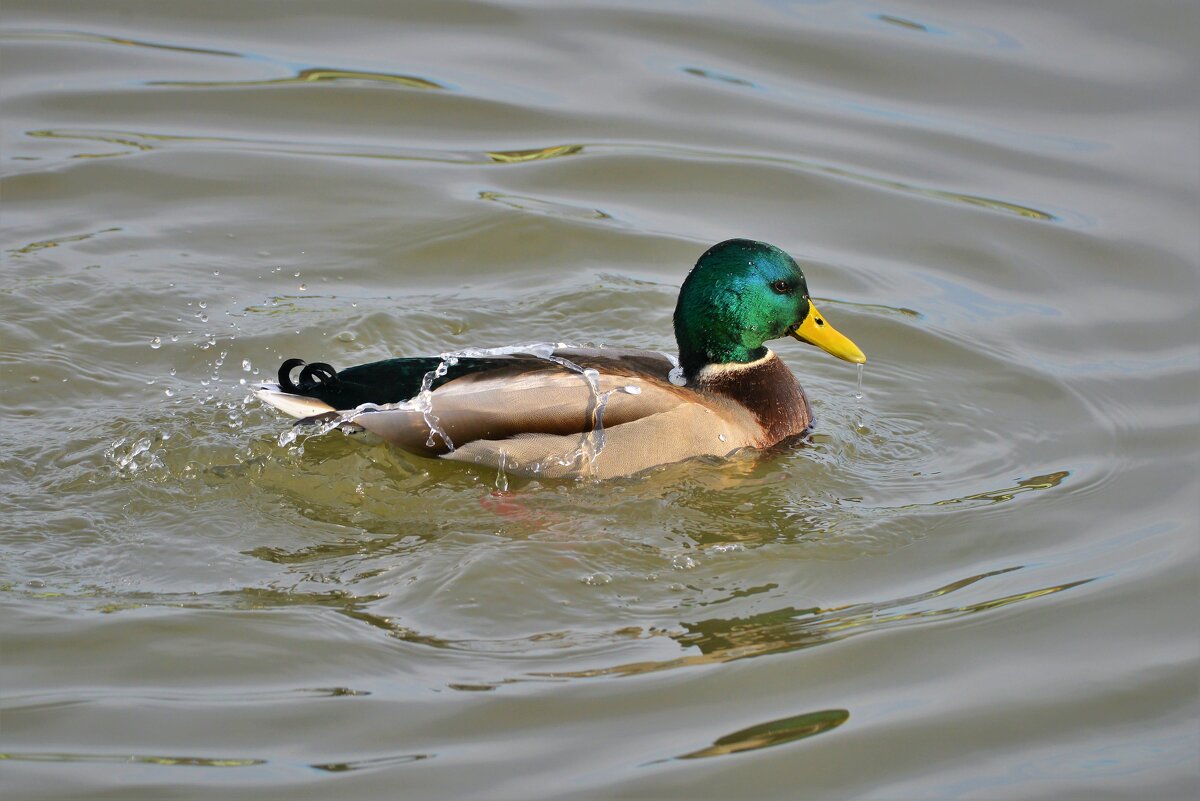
[{"x": 313, "y": 378}]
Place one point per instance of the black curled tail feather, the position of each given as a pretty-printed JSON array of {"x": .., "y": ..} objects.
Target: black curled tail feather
[
  {"x": 285, "y": 375},
  {"x": 313, "y": 377}
]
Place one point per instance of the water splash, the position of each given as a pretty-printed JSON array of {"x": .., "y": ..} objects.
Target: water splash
[
  {"x": 593, "y": 441},
  {"x": 139, "y": 455},
  {"x": 423, "y": 402},
  {"x": 502, "y": 472}
]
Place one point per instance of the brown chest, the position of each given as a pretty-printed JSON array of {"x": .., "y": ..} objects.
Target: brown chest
[{"x": 768, "y": 390}]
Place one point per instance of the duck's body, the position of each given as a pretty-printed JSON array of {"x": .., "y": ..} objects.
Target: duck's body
[{"x": 561, "y": 412}]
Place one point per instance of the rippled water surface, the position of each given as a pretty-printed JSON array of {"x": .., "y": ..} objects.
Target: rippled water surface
[{"x": 977, "y": 581}]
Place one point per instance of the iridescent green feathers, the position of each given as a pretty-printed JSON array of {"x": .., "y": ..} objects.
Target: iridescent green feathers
[{"x": 740, "y": 294}]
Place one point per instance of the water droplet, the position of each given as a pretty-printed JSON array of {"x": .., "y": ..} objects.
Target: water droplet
[
  {"x": 170, "y": 393},
  {"x": 303, "y": 287},
  {"x": 33, "y": 379},
  {"x": 632, "y": 389},
  {"x": 721, "y": 437},
  {"x": 203, "y": 304},
  {"x": 502, "y": 473},
  {"x": 245, "y": 365},
  {"x": 156, "y": 343},
  {"x": 859, "y": 394},
  {"x": 172, "y": 371},
  {"x": 204, "y": 318},
  {"x": 216, "y": 272}
]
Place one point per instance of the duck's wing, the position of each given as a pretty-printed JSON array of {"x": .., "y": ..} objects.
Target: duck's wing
[
  {"x": 566, "y": 393},
  {"x": 531, "y": 398}
]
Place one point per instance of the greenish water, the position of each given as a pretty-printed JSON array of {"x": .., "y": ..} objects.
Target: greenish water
[{"x": 977, "y": 581}]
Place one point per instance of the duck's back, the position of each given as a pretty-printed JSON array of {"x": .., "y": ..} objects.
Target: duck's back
[{"x": 602, "y": 412}]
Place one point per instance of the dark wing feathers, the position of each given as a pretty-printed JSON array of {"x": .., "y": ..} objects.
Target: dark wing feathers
[{"x": 395, "y": 380}]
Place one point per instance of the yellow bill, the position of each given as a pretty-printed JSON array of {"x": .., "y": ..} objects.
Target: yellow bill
[{"x": 816, "y": 331}]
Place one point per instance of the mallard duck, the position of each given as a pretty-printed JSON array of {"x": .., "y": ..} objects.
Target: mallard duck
[{"x": 557, "y": 411}]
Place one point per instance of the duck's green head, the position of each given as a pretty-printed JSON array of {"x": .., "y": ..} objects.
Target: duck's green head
[{"x": 740, "y": 294}]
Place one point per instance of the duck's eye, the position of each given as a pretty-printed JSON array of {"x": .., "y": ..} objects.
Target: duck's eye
[{"x": 780, "y": 286}]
